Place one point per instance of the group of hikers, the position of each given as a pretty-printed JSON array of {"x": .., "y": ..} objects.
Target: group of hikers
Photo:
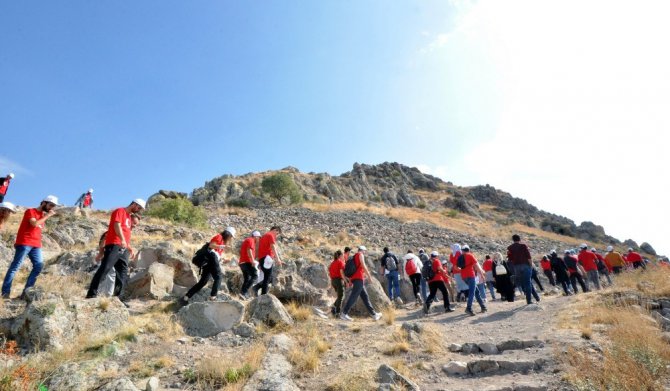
[{"x": 460, "y": 276}]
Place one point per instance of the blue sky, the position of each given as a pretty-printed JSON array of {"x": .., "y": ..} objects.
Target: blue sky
[{"x": 132, "y": 97}]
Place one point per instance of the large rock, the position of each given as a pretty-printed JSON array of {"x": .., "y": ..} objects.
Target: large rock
[
  {"x": 154, "y": 282},
  {"x": 207, "y": 319},
  {"x": 456, "y": 368},
  {"x": 288, "y": 285},
  {"x": 71, "y": 262},
  {"x": 54, "y": 324},
  {"x": 122, "y": 384},
  {"x": 185, "y": 273},
  {"x": 483, "y": 366},
  {"x": 647, "y": 248},
  {"x": 269, "y": 310},
  {"x": 80, "y": 232},
  {"x": 377, "y": 296},
  {"x": 388, "y": 375},
  {"x": 274, "y": 375},
  {"x": 316, "y": 274}
]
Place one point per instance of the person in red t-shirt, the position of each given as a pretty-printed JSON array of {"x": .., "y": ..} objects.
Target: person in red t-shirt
[
  {"x": 4, "y": 185},
  {"x": 6, "y": 209},
  {"x": 212, "y": 265},
  {"x": 358, "y": 288},
  {"x": 461, "y": 286},
  {"x": 468, "y": 272},
  {"x": 488, "y": 273},
  {"x": 413, "y": 269},
  {"x": 268, "y": 253},
  {"x": 248, "y": 252},
  {"x": 117, "y": 243},
  {"x": 29, "y": 243},
  {"x": 635, "y": 258},
  {"x": 337, "y": 280},
  {"x": 545, "y": 263},
  {"x": 589, "y": 262},
  {"x": 440, "y": 276}
]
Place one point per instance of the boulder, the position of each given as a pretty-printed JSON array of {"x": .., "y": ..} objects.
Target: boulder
[
  {"x": 185, "y": 273},
  {"x": 54, "y": 324},
  {"x": 516, "y": 366},
  {"x": 488, "y": 348},
  {"x": 647, "y": 248},
  {"x": 454, "y": 347},
  {"x": 406, "y": 291},
  {"x": 154, "y": 282},
  {"x": 122, "y": 384},
  {"x": 281, "y": 343},
  {"x": 71, "y": 262},
  {"x": 469, "y": 348},
  {"x": 274, "y": 375},
  {"x": 153, "y": 384},
  {"x": 483, "y": 366},
  {"x": 269, "y": 310},
  {"x": 292, "y": 287},
  {"x": 377, "y": 296},
  {"x": 207, "y": 319},
  {"x": 456, "y": 368},
  {"x": 513, "y": 344},
  {"x": 244, "y": 330},
  {"x": 388, "y": 375},
  {"x": 316, "y": 274}
]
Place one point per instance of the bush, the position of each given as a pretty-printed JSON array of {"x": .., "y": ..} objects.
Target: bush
[
  {"x": 179, "y": 211},
  {"x": 281, "y": 185},
  {"x": 238, "y": 202}
]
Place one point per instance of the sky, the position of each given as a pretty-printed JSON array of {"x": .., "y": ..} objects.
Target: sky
[{"x": 562, "y": 103}]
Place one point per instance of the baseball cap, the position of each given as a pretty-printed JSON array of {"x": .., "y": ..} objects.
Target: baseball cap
[
  {"x": 8, "y": 205},
  {"x": 434, "y": 254},
  {"x": 140, "y": 202},
  {"x": 362, "y": 248},
  {"x": 610, "y": 248},
  {"x": 51, "y": 198},
  {"x": 231, "y": 231},
  {"x": 255, "y": 234}
]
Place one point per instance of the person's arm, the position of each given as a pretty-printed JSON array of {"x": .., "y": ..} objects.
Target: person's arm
[
  {"x": 275, "y": 248},
  {"x": 529, "y": 258},
  {"x": 214, "y": 246},
  {"x": 250, "y": 253},
  {"x": 119, "y": 233},
  {"x": 35, "y": 222},
  {"x": 365, "y": 267},
  {"x": 382, "y": 263}
]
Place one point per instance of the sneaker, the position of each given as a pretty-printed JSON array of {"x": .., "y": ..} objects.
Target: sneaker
[
  {"x": 469, "y": 312},
  {"x": 377, "y": 316},
  {"x": 484, "y": 310},
  {"x": 5, "y": 296},
  {"x": 448, "y": 310},
  {"x": 183, "y": 301},
  {"x": 333, "y": 311},
  {"x": 425, "y": 308},
  {"x": 346, "y": 317}
]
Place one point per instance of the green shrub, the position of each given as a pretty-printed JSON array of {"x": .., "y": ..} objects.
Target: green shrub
[
  {"x": 421, "y": 205},
  {"x": 179, "y": 211},
  {"x": 238, "y": 202},
  {"x": 280, "y": 186}
]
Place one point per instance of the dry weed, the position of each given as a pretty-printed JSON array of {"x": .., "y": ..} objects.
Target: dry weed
[
  {"x": 298, "y": 311},
  {"x": 216, "y": 372},
  {"x": 306, "y": 355},
  {"x": 389, "y": 315},
  {"x": 399, "y": 343}
]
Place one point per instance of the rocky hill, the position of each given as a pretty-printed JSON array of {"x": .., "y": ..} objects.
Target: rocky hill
[{"x": 394, "y": 184}]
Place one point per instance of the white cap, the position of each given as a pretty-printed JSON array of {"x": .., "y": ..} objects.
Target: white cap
[
  {"x": 583, "y": 245},
  {"x": 362, "y": 248},
  {"x": 140, "y": 202},
  {"x": 256, "y": 234},
  {"x": 8, "y": 205},
  {"x": 434, "y": 254},
  {"x": 630, "y": 249},
  {"x": 553, "y": 251},
  {"x": 593, "y": 249},
  {"x": 51, "y": 198},
  {"x": 231, "y": 231},
  {"x": 11, "y": 175},
  {"x": 90, "y": 190},
  {"x": 568, "y": 252},
  {"x": 465, "y": 247},
  {"x": 610, "y": 248}
]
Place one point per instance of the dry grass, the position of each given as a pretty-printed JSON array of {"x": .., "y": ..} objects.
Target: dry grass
[
  {"x": 310, "y": 346},
  {"x": 215, "y": 371},
  {"x": 159, "y": 323},
  {"x": 432, "y": 339},
  {"x": 389, "y": 315},
  {"x": 299, "y": 311},
  {"x": 359, "y": 381},
  {"x": 652, "y": 283},
  {"x": 399, "y": 344},
  {"x": 634, "y": 357}
]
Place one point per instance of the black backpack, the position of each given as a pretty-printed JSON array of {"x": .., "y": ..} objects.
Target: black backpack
[
  {"x": 200, "y": 256},
  {"x": 350, "y": 267},
  {"x": 427, "y": 271},
  {"x": 460, "y": 262}
]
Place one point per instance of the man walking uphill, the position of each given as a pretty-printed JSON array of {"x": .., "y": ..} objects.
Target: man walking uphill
[
  {"x": 358, "y": 289},
  {"x": 4, "y": 185},
  {"x": 519, "y": 254},
  {"x": 390, "y": 265},
  {"x": 267, "y": 254},
  {"x": 246, "y": 262},
  {"x": 29, "y": 242},
  {"x": 117, "y": 242}
]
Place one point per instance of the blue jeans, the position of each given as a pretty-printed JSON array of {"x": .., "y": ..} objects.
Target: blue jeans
[
  {"x": 523, "y": 276},
  {"x": 35, "y": 255},
  {"x": 393, "y": 284},
  {"x": 482, "y": 290},
  {"x": 424, "y": 289},
  {"x": 473, "y": 293}
]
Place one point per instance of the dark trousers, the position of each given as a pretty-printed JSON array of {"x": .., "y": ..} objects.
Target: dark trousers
[
  {"x": 434, "y": 287},
  {"x": 550, "y": 276},
  {"x": 415, "y": 279},
  {"x": 617, "y": 269},
  {"x": 533, "y": 275},
  {"x": 114, "y": 257},
  {"x": 249, "y": 275},
  {"x": 2, "y": 197},
  {"x": 211, "y": 268},
  {"x": 338, "y": 285},
  {"x": 267, "y": 277},
  {"x": 637, "y": 265},
  {"x": 565, "y": 286},
  {"x": 358, "y": 290},
  {"x": 574, "y": 279}
]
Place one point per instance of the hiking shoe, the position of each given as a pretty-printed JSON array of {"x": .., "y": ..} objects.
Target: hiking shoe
[
  {"x": 469, "y": 312},
  {"x": 377, "y": 316},
  {"x": 183, "y": 301},
  {"x": 448, "y": 310},
  {"x": 484, "y": 310},
  {"x": 5, "y": 296},
  {"x": 346, "y": 317},
  {"x": 425, "y": 308}
]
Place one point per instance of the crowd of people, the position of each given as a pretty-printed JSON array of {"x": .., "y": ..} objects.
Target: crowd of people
[{"x": 460, "y": 277}]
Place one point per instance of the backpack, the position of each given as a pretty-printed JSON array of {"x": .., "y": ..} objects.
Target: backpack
[
  {"x": 350, "y": 267},
  {"x": 501, "y": 270},
  {"x": 200, "y": 256},
  {"x": 460, "y": 262},
  {"x": 427, "y": 271},
  {"x": 391, "y": 262}
]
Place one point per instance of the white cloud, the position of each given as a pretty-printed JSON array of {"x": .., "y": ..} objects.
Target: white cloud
[{"x": 7, "y": 165}]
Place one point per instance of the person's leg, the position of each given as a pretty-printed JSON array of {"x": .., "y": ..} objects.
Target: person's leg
[
  {"x": 353, "y": 296},
  {"x": 204, "y": 277},
  {"x": 580, "y": 279},
  {"x": 121, "y": 268},
  {"x": 366, "y": 299},
  {"x": 19, "y": 254},
  {"x": 607, "y": 276},
  {"x": 217, "y": 274},
  {"x": 445, "y": 294},
  {"x": 471, "y": 292},
  {"x": 35, "y": 256},
  {"x": 431, "y": 296},
  {"x": 111, "y": 255},
  {"x": 108, "y": 283},
  {"x": 396, "y": 285},
  {"x": 492, "y": 289},
  {"x": 481, "y": 287},
  {"x": 596, "y": 279},
  {"x": 267, "y": 277},
  {"x": 536, "y": 279},
  {"x": 524, "y": 273},
  {"x": 617, "y": 269},
  {"x": 338, "y": 285},
  {"x": 424, "y": 289},
  {"x": 564, "y": 285},
  {"x": 573, "y": 282}
]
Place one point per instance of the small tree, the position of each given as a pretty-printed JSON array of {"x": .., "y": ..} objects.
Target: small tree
[
  {"x": 281, "y": 185},
  {"x": 179, "y": 210}
]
